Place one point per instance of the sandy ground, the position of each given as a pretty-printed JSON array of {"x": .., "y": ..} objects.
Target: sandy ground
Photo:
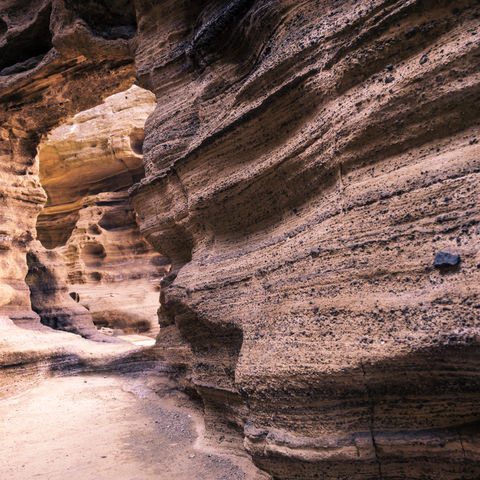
[{"x": 109, "y": 427}]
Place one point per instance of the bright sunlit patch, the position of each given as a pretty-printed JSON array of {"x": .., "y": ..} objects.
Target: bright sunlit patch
[{"x": 140, "y": 340}]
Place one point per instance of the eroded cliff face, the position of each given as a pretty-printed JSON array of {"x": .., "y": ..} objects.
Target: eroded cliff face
[
  {"x": 305, "y": 163},
  {"x": 86, "y": 167},
  {"x": 312, "y": 173},
  {"x": 56, "y": 60}
]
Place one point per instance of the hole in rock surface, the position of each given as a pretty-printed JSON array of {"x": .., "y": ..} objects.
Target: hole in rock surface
[
  {"x": 75, "y": 296},
  {"x": 95, "y": 276},
  {"x": 3, "y": 27},
  {"x": 54, "y": 230},
  {"x": 95, "y": 250},
  {"x": 116, "y": 219},
  {"x": 94, "y": 230},
  {"x": 110, "y": 19},
  {"x": 25, "y": 49},
  {"x": 136, "y": 140},
  {"x": 93, "y": 254}
]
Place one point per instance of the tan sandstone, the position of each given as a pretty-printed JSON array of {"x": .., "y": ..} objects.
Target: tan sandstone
[{"x": 311, "y": 171}]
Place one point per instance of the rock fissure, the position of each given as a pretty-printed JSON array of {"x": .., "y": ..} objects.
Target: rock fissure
[{"x": 372, "y": 422}]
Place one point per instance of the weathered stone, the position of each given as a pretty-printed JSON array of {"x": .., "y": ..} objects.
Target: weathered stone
[
  {"x": 282, "y": 175},
  {"x": 49, "y": 294},
  {"x": 110, "y": 266},
  {"x": 444, "y": 259},
  {"x": 53, "y": 64},
  {"x": 274, "y": 139}
]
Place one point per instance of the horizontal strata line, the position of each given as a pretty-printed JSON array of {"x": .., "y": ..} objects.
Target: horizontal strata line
[
  {"x": 320, "y": 219},
  {"x": 262, "y": 271}
]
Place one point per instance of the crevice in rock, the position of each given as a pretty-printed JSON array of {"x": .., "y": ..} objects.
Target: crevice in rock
[
  {"x": 3, "y": 27},
  {"x": 26, "y": 48},
  {"x": 110, "y": 19},
  {"x": 371, "y": 404},
  {"x": 461, "y": 444},
  {"x": 210, "y": 371},
  {"x": 137, "y": 137}
]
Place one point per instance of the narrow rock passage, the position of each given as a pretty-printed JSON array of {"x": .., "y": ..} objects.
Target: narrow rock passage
[{"x": 105, "y": 427}]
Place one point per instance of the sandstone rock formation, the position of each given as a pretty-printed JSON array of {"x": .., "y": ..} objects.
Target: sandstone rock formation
[
  {"x": 46, "y": 280},
  {"x": 305, "y": 163},
  {"x": 56, "y": 59},
  {"x": 112, "y": 270},
  {"x": 98, "y": 150},
  {"x": 86, "y": 165}
]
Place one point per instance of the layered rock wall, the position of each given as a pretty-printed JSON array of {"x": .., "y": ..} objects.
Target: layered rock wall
[
  {"x": 304, "y": 165},
  {"x": 49, "y": 296},
  {"x": 53, "y": 64},
  {"x": 98, "y": 150},
  {"x": 86, "y": 166}
]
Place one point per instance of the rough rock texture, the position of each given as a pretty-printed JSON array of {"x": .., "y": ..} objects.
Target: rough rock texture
[
  {"x": 305, "y": 163},
  {"x": 46, "y": 280},
  {"x": 28, "y": 355},
  {"x": 112, "y": 270},
  {"x": 98, "y": 150},
  {"x": 55, "y": 60},
  {"x": 96, "y": 411}
]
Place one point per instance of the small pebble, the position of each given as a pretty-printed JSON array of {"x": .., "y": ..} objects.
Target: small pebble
[{"x": 444, "y": 259}]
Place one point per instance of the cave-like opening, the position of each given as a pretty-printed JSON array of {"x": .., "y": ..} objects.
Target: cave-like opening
[{"x": 26, "y": 49}]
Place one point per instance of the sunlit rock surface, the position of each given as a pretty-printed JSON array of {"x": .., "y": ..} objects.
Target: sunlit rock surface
[
  {"x": 55, "y": 60},
  {"x": 86, "y": 166},
  {"x": 98, "y": 150},
  {"x": 305, "y": 163}
]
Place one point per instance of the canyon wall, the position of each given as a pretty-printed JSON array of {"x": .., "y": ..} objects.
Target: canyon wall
[
  {"x": 56, "y": 59},
  {"x": 86, "y": 166},
  {"x": 312, "y": 171}
]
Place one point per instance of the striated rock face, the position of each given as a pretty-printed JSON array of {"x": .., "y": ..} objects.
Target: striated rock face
[
  {"x": 54, "y": 61},
  {"x": 312, "y": 173},
  {"x": 112, "y": 270},
  {"x": 86, "y": 165},
  {"x": 98, "y": 150},
  {"x": 305, "y": 163},
  {"x": 49, "y": 294}
]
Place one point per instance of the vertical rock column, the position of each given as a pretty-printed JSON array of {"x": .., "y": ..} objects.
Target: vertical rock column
[{"x": 21, "y": 199}]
